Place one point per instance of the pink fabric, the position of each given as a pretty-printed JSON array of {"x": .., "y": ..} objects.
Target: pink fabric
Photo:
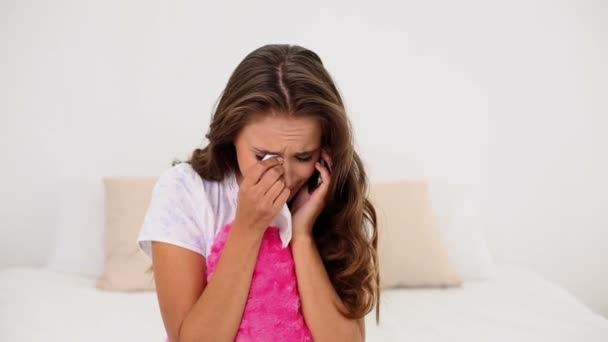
[{"x": 273, "y": 310}]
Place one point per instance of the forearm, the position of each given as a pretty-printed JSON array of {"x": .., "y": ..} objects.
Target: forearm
[
  {"x": 226, "y": 293},
  {"x": 321, "y": 304}
]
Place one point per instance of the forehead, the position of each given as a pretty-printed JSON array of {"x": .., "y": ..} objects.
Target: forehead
[{"x": 275, "y": 131}]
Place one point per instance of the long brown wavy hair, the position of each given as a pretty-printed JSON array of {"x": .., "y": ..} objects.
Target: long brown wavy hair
[{"x": 292, "y": 80}]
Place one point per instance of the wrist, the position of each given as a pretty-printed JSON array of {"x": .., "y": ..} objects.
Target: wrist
[
  {"x": 248, "y": 230},
  {"x": 302, "y": 238}
]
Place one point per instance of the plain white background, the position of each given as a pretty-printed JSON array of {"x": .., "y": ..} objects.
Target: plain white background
[{"x": 507, "y": 96}]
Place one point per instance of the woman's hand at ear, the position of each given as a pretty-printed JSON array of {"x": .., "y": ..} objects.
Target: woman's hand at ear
[{"x": 306, "y": 207}]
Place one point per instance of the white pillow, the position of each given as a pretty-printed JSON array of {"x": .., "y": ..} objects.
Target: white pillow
[{"x": 458, "y": 216}]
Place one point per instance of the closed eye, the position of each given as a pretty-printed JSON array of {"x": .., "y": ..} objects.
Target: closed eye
[{"x": 304, "y": 159}]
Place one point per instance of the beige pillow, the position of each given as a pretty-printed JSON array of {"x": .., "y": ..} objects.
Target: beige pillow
[
  {"x": 126, "y": 202},
  {"x": 410, "y": 247}
]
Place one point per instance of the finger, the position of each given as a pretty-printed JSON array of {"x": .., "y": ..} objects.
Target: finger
[
  {"x": 328, "y": 160},
  {"x": 274, "y": 191},
  {"x": 325, "y": 175},
  {"x": 281, "y": 199},
  {"x": 256, "y": 172},
  {"x": 270, "y": 177}
]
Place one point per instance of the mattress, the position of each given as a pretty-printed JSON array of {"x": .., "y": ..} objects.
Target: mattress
[{"x": 517, "y": 305}]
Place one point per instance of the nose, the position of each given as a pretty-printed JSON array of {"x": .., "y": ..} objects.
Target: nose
[{"x": 288, "y": 176}]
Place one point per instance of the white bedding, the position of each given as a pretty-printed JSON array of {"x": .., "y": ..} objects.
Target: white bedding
[{"x": 517, "y": 305}]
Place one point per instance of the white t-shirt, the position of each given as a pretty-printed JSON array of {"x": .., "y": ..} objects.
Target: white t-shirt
[{"x": 188, "y": 211}]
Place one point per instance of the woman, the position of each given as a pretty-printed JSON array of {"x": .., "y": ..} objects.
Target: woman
[{"x": 224, "y": 269}]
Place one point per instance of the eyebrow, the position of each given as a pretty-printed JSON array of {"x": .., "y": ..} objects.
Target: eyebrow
[{"x": 279, "y": 153}]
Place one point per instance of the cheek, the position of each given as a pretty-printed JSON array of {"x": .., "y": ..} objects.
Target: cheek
[
  {"x": 304, "y": 171},
  {"x": 246, "y": 161}
]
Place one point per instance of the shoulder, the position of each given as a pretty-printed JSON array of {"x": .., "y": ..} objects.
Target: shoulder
[
  {"x": 183, "y": 210},
  {"x": 183, "y": 177},
  {"x": 181, "y": 187},
  {"x": 179, "y": 177}
]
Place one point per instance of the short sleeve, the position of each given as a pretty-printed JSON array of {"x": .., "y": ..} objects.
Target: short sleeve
[{"x": 175, "y": 211}]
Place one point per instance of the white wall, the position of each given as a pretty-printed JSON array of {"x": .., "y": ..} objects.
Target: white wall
[{"x": 509, "y": 96}]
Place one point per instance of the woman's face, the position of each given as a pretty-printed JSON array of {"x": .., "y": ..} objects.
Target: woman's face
[{"x": 296, "y": 139}]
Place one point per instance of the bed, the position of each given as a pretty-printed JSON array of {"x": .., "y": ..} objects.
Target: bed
[{"x": 515, "y": 305}]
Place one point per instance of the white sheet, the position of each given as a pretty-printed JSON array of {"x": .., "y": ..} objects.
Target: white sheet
[{"x": 518, "y": 305}]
